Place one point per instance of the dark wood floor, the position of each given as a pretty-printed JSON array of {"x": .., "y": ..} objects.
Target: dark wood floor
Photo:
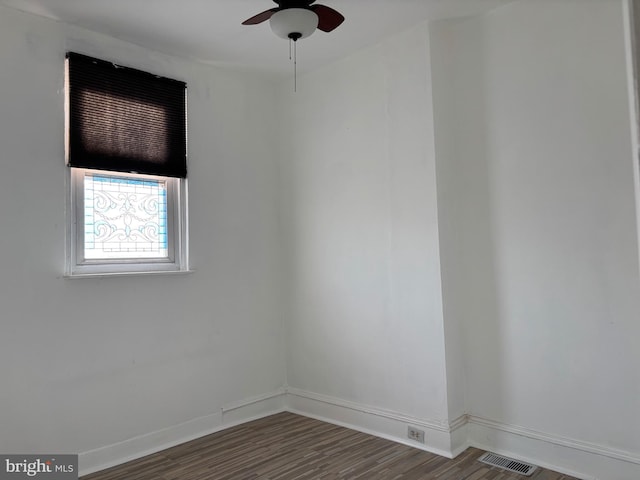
[{"x": 287, "y": 446}]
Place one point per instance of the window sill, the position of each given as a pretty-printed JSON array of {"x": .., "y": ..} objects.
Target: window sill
[{"x": 77, "y": 276}]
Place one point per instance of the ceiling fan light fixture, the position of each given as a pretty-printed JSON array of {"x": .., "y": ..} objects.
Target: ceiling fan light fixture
[{"x": 294, "y": 23}]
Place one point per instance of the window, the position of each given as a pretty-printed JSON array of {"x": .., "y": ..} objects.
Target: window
[{"x": 126, "y": 152}]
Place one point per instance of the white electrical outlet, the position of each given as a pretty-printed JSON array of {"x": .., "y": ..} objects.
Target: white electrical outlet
[{"x": 415, "y": 434}]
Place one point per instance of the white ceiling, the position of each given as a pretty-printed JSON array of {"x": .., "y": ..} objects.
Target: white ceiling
[{"x": 210, "y": 31}]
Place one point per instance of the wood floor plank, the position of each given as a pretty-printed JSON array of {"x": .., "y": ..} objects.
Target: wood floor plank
[{"x": 292, "y": 447}]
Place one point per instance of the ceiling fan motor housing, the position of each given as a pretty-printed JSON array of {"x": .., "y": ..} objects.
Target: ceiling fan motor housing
[{"x": 294, "y": 23}]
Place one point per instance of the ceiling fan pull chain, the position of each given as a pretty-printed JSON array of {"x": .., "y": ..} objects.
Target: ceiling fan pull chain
[
  {"x": 295, "y": 66},
  {"x": 290, "y": 48}
]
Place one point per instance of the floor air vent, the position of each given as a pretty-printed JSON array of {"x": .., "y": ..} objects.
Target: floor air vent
[{"x": 507, "y": 464}]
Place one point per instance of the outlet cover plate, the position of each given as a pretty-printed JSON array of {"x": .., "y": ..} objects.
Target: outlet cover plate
[{"x": 415, "y": 434}]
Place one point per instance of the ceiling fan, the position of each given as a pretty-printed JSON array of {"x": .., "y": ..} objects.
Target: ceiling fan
[{"x": 296, "y": 19}]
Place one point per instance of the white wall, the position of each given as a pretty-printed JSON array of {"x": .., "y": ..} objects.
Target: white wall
[
  {"x": 450, "y": 229},
  {"x": 539, "y": 244},
  {"x": 361, "y": 218},
  {"x": 89, "y": 363},
  {"x": 453, "y": 229},
  {"x": 534, "y": 333}
]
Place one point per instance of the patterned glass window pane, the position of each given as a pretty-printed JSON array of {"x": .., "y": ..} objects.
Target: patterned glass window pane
[{"x": 124, "y": 217}]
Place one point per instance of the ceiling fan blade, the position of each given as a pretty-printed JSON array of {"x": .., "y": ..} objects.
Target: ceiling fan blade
[
  {"x": 261, "y": 17},
  {"x": 329, "y": 19}
]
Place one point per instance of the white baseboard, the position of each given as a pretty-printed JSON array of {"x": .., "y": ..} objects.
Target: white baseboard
[
  {"x": 375, "y": 421},
  {"x": 572, "y": 457},
  {"x": 143, "y": 445},
  {"x": 459, "y": 435},
  {"x": 447, "y": 438}
]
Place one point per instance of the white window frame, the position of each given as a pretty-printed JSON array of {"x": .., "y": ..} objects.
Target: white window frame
[{"x": 177, "y": 260}]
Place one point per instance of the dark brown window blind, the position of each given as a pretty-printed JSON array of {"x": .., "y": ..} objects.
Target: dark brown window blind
[{"x": 125, "y": 120}]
